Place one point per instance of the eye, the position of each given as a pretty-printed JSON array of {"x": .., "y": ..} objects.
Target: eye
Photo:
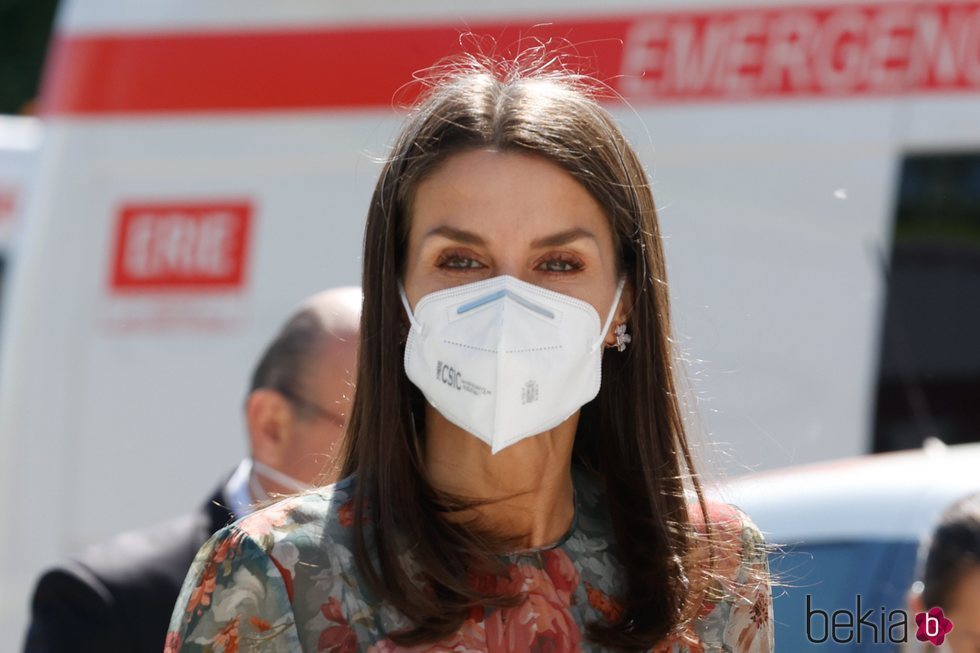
[
  {"x": 457, "y": 261},
  {"x": 560, "y": 263}
]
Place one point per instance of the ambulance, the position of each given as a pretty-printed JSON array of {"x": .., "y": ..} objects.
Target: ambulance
[{"x": 205, "y": 166}]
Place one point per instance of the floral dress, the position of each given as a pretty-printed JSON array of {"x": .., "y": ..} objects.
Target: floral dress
[{"x": 284, "y": 579}]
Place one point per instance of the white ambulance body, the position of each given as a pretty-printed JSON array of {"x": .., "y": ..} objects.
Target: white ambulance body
[{"x": 208, "y": 165}]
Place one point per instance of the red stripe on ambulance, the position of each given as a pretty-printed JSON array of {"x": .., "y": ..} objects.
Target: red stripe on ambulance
[
  {"x": 670, "y": 56},
  {"x": 185, "y": 247}
]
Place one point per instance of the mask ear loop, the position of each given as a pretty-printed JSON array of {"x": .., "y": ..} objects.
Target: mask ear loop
[
  {"x": 612, "y": 313},
  {"x": 408, "y": 309},
  {"x": 281, "y": 478}
]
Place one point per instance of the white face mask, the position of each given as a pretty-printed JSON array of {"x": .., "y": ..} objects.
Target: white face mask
[
  {"x": 274, "y": 475},
  {"x": 505, "y": 359}
]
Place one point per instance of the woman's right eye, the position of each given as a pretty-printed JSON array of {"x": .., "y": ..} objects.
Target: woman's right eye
[{"x": 458, "y": 262}]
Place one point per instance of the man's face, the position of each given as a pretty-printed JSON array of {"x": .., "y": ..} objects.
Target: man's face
[{"x": 321, "y": 413}]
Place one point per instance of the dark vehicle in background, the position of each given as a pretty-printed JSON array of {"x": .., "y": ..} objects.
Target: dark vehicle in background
[{"x": 848, "y": 534}]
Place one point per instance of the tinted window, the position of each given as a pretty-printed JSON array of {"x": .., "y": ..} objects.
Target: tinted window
[
  {"x": 929, "y": 374},
  {"x": 833, "y": 575}
]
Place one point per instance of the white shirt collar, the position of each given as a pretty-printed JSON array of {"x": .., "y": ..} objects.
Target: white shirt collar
[{"x": 238, "y": 492}]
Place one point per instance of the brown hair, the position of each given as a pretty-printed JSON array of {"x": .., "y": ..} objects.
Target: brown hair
[{"x": 631, "y": 434}]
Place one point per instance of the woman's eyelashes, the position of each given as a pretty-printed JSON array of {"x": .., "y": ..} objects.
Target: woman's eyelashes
[
  {"x": 556, "y": 264},
  {"x": 560, "y": 263},
  {"x": 458, "y": 262}
]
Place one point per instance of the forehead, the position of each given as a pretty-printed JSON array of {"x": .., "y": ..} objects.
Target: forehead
[{"x": 513, "y": 192}]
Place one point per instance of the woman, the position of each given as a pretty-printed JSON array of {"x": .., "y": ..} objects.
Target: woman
[
  {"x": 516, "y": 462},
  {"x": 950, "y": 573}
]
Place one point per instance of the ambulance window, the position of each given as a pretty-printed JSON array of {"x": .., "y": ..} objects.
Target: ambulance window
[{"x": 929, "y": 373}]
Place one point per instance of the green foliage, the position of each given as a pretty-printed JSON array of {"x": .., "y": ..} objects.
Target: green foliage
[{"x": 25, "y": 28}]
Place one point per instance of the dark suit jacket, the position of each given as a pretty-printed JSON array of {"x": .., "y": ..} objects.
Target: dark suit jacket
[{"x": 118, "y": 596}]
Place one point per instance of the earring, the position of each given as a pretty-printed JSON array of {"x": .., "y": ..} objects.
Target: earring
[{"x": 622, "y": 338}]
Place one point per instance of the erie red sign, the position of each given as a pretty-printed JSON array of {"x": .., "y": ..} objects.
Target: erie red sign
[{"x": 181, "y": 247}]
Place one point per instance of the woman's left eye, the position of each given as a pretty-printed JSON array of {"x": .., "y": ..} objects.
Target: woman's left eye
[{"x": 560, "y": 265}]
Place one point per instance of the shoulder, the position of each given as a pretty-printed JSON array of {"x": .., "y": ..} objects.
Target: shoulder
[
  {"x": 155, "y": 557},
  {"x": 307, "y": 538},
  {"x": 728, "y": 548},
  {"x": 731, "y": 529},
  {"x": 731, "y": 555},
  {"x": 275, "y": 571},
  {"x": 133, "y": 578},
  {"x": 319, "y": 517}
]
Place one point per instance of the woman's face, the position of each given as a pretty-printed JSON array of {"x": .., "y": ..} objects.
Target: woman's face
[{"x": 484, "y": 213}]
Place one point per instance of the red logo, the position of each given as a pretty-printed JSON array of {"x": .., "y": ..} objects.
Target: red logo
[
  {"x": 186, "y": 247},
  {"x": 8, "y": 202},
  {"x": 933, "y": 626}
]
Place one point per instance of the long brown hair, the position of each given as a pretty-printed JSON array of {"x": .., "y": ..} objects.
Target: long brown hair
[{"x": 631, "y": 435}]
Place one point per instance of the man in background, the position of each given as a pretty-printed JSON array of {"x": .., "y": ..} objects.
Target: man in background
[{"x": 119, "y": 595}]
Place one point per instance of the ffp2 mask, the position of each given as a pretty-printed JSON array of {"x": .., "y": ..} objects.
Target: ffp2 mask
[{"x": 505, "y": 359}]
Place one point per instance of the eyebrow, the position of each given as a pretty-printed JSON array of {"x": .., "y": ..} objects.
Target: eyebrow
[
  {"x": 563, "y": 237},
  {"x": 452, "y": 233},
  {"x": 470, "y": 238}
]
